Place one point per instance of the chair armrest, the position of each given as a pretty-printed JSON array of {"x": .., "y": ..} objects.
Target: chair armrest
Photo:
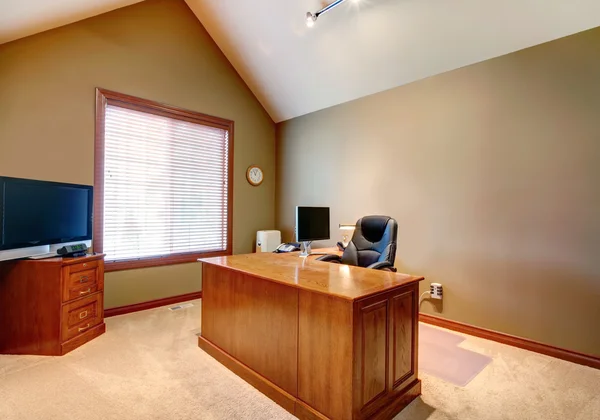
[
  {"x": 382, "y": 265},
  {"x": 330, "y": 258}
]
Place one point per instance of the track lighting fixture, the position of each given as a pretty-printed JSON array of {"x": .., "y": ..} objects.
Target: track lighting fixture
[{"x": 311, "y": 18}]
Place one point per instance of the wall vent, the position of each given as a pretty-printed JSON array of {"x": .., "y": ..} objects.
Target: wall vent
[{"x": 180, "y": 307}]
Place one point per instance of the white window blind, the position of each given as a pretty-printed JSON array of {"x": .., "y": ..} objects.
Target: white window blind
[{"x": 165, "y": 186}]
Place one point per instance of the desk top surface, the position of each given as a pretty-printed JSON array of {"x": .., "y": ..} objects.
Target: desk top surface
[{"x": 344, "y": 281}]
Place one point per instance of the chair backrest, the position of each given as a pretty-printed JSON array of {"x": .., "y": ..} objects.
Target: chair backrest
[{"x": 374, "y": 240}]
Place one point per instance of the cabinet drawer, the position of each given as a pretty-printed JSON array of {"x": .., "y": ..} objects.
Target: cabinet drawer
[
  {"x": 80, "y": 284},
  {"x": 84, "y": 282},
  {"x": 82, "y": 278},
  {"x": 81, "y": 315},
  {"x": 74, "y": 268},
  {"x": 79, "y": 291}
]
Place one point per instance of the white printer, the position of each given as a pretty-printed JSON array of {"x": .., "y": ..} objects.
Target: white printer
[{"x": 267, "y": 240}]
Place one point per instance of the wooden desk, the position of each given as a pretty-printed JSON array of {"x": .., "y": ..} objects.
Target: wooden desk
[{"x": 322, "y": 340}]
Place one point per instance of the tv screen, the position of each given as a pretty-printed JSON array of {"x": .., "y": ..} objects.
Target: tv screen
[
  {"x": 43, "y": 213},
  {"x": 312, "y": 223}
]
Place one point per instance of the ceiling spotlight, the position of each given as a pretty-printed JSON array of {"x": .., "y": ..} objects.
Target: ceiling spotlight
[{"x": 311, "y": 18}]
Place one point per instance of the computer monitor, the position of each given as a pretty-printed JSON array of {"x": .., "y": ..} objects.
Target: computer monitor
[{"x": 312, "y": 224}]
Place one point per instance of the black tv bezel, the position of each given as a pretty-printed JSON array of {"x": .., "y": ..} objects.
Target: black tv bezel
[
  {"x": 53, "y": 241},
  {"x": 328, "y": 225}
]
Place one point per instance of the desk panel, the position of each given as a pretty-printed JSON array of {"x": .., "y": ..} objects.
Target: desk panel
[
  {"x": 325, "y": 354},
  {"x": 253, "y": 320}
]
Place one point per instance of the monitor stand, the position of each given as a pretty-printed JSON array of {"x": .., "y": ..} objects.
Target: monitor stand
[{"x": 305, "y": 249}]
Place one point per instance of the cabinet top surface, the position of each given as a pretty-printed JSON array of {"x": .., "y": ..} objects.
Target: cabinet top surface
[
  {"x": 64, "y": 260},
  {"x": 345, "y": 281}
]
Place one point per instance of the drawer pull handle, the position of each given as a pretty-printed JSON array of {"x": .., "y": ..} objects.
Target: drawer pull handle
[
  {"x": 83, "y": 314},
  {"x": 85, "y": 264},
  {"x": 83, "y": 279},
  {"x": 84, "y": 328},
  {"x": 85, "y": 292}
]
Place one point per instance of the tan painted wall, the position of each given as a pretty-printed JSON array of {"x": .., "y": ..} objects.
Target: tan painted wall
[
  {"x": 493, "y": 173},
  {"x": 156, "y": 50}
]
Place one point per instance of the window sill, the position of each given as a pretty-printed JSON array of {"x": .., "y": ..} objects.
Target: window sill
[{"x": 161, "y": 261}]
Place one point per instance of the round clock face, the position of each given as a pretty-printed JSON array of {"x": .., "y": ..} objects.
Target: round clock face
[{"x": 254, "y": 175}]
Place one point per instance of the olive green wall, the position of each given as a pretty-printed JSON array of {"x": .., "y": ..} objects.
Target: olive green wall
[
  {"x": 493, "y": 173},
  {"x": 156, "y": 50}
]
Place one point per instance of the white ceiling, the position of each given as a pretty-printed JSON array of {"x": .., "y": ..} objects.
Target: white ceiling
[
  {"x": 359, "y": 48},
  {"x": 367, "y": 46}
]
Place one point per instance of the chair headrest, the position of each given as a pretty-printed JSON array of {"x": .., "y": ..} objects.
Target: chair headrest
[{"x": 373, "y": 227}]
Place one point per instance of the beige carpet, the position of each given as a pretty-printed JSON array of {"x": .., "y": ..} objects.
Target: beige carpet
[{"x": 148, "y": 366}]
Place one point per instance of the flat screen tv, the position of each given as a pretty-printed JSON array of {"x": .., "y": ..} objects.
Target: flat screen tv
[{"x": 37, "y": 214}]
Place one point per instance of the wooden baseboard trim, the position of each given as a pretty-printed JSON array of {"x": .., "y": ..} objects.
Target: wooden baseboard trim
[
  {"x": 511, "y": 340},
  {"x": 275, "y": 393},
  {"x": 121, "y": 310},
  {"x": 399, "y": 402},
  {"x": 306, "y": 412}
]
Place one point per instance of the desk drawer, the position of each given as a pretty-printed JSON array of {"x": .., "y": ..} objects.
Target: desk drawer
[{"x": 81, "y": 315}]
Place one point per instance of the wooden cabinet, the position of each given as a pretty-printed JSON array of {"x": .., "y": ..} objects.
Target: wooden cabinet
[
  {"x": 52, "y": 306},
  {"x": 386, "y": 328},
  {"x": 358, "y": 360}
]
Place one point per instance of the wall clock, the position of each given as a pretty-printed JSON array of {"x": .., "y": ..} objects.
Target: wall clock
[{"x": 254, "y": 175}]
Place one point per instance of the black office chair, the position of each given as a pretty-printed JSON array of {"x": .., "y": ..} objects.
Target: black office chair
[{"x": 373, "y": 244}]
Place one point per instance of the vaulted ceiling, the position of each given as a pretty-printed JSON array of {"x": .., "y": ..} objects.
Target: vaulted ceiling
[
  {"x": 367, "y": 46},
  {"x": 359, "y": 48}
]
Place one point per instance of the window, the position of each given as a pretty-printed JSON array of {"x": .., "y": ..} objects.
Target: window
[{"x": 162, "y": 183}]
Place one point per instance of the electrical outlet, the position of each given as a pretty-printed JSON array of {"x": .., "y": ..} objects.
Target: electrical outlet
[{"x": 436, "y": 291}]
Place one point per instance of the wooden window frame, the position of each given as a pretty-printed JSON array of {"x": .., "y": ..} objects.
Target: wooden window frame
[{"x": 106, "y": 97}]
